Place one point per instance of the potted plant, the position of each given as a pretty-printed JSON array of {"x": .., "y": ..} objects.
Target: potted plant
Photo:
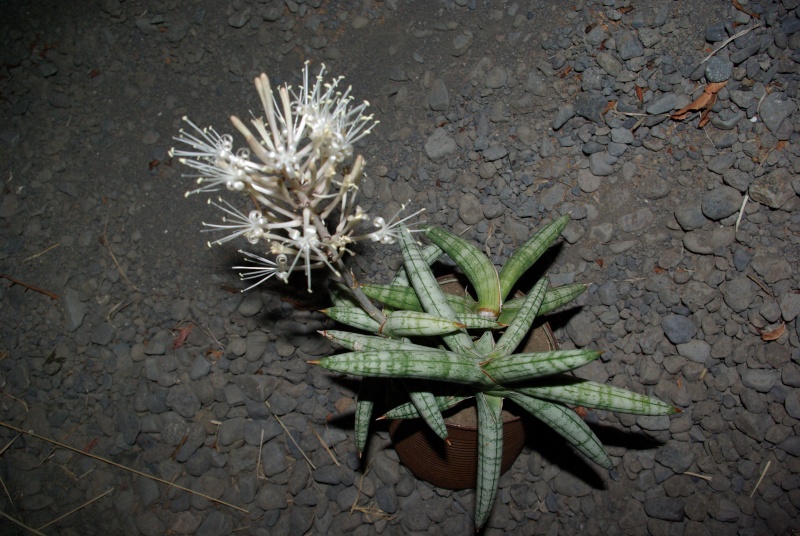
[
  {"x": 441, "y": 348},
  {"x": 445, "y": 350}
]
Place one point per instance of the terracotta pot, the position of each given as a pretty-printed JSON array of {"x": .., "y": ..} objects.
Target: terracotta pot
[{"x": 455, "y": 466}]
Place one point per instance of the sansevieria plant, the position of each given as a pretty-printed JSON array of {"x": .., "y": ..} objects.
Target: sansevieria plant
[{"x": 448, "y": 348}]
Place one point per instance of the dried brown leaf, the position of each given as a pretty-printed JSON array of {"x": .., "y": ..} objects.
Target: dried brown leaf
[
  {"x": 705, "y": 101},
  {"x": 773, "y": 335},
  {"x": 739, "y": 6}
]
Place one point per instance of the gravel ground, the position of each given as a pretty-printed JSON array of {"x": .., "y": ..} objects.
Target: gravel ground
[{"x": 125, "y": 337}]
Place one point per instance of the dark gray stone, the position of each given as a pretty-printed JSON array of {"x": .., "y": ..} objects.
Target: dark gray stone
[
  {"x": 720, "y": 163},
  {"x": 678, "y": 457},
  {"x": 741, "y": 55},
  {"x": 771, "y": 268},
  {"x": 564, "y": 114},
  {"x": 718, "y": 69},
  {"x": 300, "y": 520},
  {"x": 628, "y": 45},
  {"x": 716, "y": 32},
  {"x": 773, "y": 189},
  {"x": 721, "y": 202},
  {"x": 271, "y": 497},
  {"x": 678, "y": 329},
  {"x": 281, "y": 404},
  {"x": 129, "y": 423},
  {"x": 662, "y": 104},
  {"x": 738, "y": 293},
  {"x": 214, "y": 524},
  {"x": 590, "y": 106},
  {"x": 200, "y": 367},
  {"x": 438, "y": 98},
  {"x": 440, "y": 144},
  {"x": 775, "y": 108},
  {"x": 790, "y": 306},
  {"x": 74, "y": 309},
  {"x": 609, "y": 63},
  {"x": 690, "y": 216},
  {"x": 231, "y": 431},
  {"x": 569, "y": 485},
  {"x": 598, "y": 165},
  {"x": 581, "y": 329},
  {"x": 761, "y": 380},
  {"x": 754, "y": 425},
  {"x": 183, "y": 401},
  {"x": 273, "y": 459},
  {"x": 664, "y": 508}
]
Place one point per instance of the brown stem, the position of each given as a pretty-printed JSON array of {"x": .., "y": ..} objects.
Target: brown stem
[{"x": 362, "y": 299}]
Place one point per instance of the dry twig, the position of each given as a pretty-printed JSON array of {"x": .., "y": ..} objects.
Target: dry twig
[{"x": 47, "y": 293}]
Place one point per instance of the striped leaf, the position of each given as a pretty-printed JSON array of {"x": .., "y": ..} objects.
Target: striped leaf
[
  {"x": 368, "y": 392},
  {"x": 409, "y": 410},
  {"x": 430, "y": 364},
  {"x": 553, "y": 299},
  {"x": 529, "y": 253},
  {"x": 430, "y": 254},
  {"x": 357, "y": 342},
  {"x": 567, "y": 423},
  {"x": 485, "y": 344},
  {"x": 599, "y": 396},
  {"x": 405, "y": 298},
  {"x": 522, "y": 323},
  {"x": 527, "y": 366},
  {"x": 414, "y": 323},
  {"x": 354, "y": 317},
  {"x": 430, "y": 295},
  {"x": 428, "y": 409},
  {"x": 476, "y": 266},
  {"x": 490, "y": 454},
  {"x": 341, "y": 296}
]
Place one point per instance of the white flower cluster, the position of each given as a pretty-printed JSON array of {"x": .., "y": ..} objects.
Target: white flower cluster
[{"x": 294, "y": 171}]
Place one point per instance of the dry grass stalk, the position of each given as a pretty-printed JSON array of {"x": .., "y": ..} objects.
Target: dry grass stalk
[
  {"x": 326, "y": 447},
  {"x": 41, "y": 252},
  {"x": 21, "y": 524},
  {"x": 761, "y": 285},
  {"x": 104, "y": 240},
  {"x": 728, "y": 41},
  {"x": 760, "y": 478},
  {"x": 289, "y": 435},
  {"x": 370, "y": 511},
  {"x": 4, "y": 449},
  {"x": 259, "y": 473},
  {"x": 697, "y": 475},
  {"x": 84, "y": 505},
  {"x": 115, "y": 464},
  {"x": 741, "y": 213}
]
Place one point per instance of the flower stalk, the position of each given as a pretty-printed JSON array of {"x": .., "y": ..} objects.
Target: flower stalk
[{"x": 294, "y": 170}]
